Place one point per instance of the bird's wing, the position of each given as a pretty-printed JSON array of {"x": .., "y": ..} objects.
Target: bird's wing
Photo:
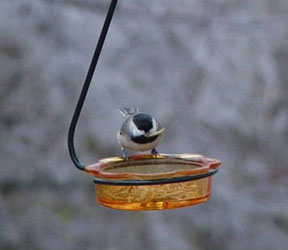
[
  {"x": 125, "y": 127},
  {"x": 128, "y": 111}
]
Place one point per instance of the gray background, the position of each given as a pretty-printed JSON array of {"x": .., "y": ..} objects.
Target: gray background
[{"x": 213, "y": 72}]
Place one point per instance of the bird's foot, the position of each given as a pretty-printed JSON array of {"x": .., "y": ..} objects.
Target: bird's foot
[
  {"x": 124, "y": 154},
  {"x": 154, "y": 152}
]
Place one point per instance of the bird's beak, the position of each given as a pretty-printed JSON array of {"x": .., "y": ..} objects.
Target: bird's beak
[{"x": 156, "y": 133}]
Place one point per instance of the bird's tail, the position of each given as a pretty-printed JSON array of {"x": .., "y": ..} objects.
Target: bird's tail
[{"x": 128, "y": 111}]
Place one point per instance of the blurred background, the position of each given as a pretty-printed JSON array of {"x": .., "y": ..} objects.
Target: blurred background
[{"x": 213, "y": 72}]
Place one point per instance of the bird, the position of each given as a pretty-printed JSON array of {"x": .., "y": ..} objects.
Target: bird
[{"x": 139, "y": 132}]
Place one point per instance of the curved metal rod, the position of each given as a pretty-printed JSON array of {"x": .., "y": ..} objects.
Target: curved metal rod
[
  {"x": 155, "y": 182},
  {"x": 86, "y": 85}
]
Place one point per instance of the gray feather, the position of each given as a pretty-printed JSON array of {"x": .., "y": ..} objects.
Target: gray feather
[
  {"x": 125, "y": 127},
  {"x": 128, "y": 111}
]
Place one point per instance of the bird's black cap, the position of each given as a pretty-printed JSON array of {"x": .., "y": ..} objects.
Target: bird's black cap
[{"x": 143, "y": 121}]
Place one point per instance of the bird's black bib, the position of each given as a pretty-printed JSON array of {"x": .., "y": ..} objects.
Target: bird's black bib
[{"x": 143, "y": 139}]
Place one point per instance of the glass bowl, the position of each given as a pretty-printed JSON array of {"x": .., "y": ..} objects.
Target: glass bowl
[{"x": 148, "y": 182}]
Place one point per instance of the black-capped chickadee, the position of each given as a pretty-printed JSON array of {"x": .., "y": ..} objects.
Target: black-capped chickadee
[{"x": 139, "y": 132}]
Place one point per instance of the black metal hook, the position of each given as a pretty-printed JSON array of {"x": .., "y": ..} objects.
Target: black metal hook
[
  {"x": 86, "y": 85},
  {"x": 155, "y": 182}
]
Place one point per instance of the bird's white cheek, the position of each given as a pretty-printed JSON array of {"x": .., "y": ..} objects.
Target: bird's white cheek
[
  {"x": 134, "y": 130},
  {"x": 155, "y": 126}
]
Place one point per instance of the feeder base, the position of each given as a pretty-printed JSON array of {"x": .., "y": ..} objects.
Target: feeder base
[
  {"x": 154, "y": 197},
  {"x": 148, "y": 183},
  {"x": 158, "y": 205}
]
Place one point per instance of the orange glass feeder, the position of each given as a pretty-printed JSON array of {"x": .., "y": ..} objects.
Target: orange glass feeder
[{"x": 146, "y": 182}]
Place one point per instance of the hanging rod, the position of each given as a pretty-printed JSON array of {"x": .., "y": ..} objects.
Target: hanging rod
[{"x": 86, "y": 85}]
